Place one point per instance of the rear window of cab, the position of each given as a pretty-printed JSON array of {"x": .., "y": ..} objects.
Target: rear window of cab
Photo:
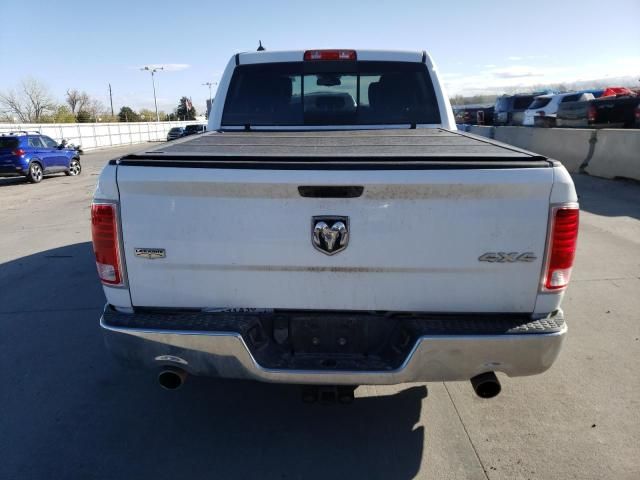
[{"x": 331, "y": 93}]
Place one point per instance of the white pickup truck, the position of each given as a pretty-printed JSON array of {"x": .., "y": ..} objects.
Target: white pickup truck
[{"x": 334, "y": 229}]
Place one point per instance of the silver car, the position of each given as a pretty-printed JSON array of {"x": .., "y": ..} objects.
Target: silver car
[{"x": 175, "y": 132}]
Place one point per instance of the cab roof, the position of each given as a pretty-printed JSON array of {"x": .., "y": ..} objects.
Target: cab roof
[{"x": 268, "y": 56}]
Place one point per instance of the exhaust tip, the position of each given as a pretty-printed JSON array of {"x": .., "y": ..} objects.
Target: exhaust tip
[
  {"x": 172, "y": 378},
  {"x": 486, "y": 385}
]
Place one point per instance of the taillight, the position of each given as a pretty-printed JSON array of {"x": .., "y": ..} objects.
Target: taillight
[
  {"x": 18, "y": 152},
  {"x": 561, "y": 246},
  {"x": 330, "y": 55},
  {"x": 106, "y": 245},
  {"x": 637, "y": 111},
  {"x": 591, "y": 113}
]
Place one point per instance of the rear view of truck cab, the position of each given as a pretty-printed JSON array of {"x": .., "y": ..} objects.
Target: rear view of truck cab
[{"x": 334, "y": 228}]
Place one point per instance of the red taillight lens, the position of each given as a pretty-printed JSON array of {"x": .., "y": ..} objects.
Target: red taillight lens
[
  {"x": 104, "y": 230},
  {"x": 330, "y": 55},
  {"x": 18, "y": 152},
  {"x": 591, "y": 113},
  {"x": 637, "y": 112},
  {"x": 561, "y": 248}
]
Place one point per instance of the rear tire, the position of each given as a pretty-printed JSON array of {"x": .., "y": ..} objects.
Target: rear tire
[
  {"x": 35, "y": 173},
  {"x": 74, "y": 168}
]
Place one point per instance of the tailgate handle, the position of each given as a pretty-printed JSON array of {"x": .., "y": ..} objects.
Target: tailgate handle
[{"x": 330, "y": 191}]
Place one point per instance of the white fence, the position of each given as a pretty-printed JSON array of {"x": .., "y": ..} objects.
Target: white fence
[{"x": 99, "y": 135}]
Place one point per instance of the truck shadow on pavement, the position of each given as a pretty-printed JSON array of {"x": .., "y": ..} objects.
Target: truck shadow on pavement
[
  {"x": 609, "y": 198},
  {"x": 70, "y": 411}
]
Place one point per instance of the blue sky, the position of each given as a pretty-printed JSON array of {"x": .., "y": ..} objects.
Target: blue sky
[{"x": 479, "y": 46}]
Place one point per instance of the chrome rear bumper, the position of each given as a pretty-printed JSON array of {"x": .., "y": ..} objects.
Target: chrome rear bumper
[{"x": 438, "y": 356}]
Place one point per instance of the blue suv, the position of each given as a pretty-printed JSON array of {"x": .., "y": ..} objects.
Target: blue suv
[{"x": 32, "y": 155}]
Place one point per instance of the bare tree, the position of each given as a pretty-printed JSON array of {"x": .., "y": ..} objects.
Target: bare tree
[
  {"x": 91, "y": 111},
  {"x": 12, "y": 107},
  {"x": 84, "y": 107},
  {"x": 95, "y": 108},
  {"x": 77, "y": 100},
  {"x": 30, "y": 102}
]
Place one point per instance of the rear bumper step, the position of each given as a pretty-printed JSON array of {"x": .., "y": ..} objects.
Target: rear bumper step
[{"x": 347, "y": 348}]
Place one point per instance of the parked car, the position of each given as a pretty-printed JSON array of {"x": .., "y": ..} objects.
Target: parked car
[
  {"x": 369, "y": 245},
  {"x": 617, "y": 92},
  {"x": 31, "y": 155},
  {"x": 175, "y": 132},
  {"x": 509, "y": 109},
  {"x": 474, "y": 114},
  {"x": 603, "y": 112},
  {"x": 542, "y": 111},
  {"x": 194, "y": 129}
]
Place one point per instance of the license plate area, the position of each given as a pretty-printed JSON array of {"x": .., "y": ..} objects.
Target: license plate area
[{"x": 333, "y": 335}]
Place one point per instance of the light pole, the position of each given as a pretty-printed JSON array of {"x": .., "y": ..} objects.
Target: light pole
[
  {"x": 154, "y": 70},
  {"x": 111, "y": 100},
  {"x": 210, "y": 84}
]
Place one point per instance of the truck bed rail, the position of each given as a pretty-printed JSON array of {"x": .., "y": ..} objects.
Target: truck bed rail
[{"x": 370, "y": 149}]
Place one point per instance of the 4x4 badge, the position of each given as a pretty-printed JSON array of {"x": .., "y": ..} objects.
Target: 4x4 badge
[
  {"x": 507, "y": 257},
  {"x": 330, "y": 234}
]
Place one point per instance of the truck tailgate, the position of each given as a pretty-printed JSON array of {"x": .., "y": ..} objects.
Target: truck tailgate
[{"x": 242, "y": 238}]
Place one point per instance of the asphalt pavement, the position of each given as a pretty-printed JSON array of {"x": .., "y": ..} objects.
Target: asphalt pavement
[{"x": 68, "y": 411}]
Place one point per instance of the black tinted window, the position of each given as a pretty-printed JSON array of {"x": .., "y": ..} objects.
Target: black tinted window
[
  {"x": 540, "y": 102},
  {"x": 331, "y": 93},
  {"x": 521, "y": 103},
  {"x": 8, "y": 142}
]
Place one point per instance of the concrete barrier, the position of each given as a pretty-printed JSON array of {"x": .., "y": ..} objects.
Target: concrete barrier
[
  {"x": 571, "y": 147},
  {"x": 616, "y": 154},
  {"x": 100, "y": 135},
  {"x": 518, "y": 136},
  {"x": 607, "y": 153},
  {"x": 481, "y": 130}
]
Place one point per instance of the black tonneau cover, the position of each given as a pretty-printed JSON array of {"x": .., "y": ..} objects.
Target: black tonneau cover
[{"x": 387, "y": 148}]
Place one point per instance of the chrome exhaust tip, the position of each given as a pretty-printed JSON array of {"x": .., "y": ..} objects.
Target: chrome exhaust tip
[
  {"x": 486, "y": 385},
  {"x": 172, "y": 378}
]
